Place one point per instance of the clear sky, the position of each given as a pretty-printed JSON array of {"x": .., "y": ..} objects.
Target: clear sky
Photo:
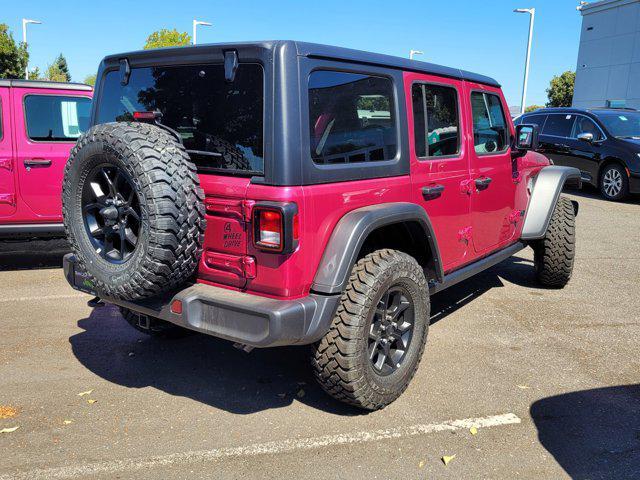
[{"x": 483, "y": 36}]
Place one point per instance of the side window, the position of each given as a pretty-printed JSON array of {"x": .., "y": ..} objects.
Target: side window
[
  {"x": 52, "y": 118},
  {"x": 351, "y": 118},
  {"x": 490, "y": 133},
  {"x": 586, "y": 125},
  {"x": 559, "y": 125},
  {"x": 435, "y": 117},
  {"x": 534, "y": 119}
]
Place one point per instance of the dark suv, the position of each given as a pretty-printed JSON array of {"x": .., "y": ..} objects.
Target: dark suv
[
  {"x": 281, "y": 193},
  {"x": 603, "y": 143}
]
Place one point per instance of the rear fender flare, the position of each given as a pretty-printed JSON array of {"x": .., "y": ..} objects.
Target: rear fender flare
[
  {"x": 350, "y": 234},
  {"x": 547, "y": 187}
]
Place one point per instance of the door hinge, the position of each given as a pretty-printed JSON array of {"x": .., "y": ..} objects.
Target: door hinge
[
  {"x": 465, "y": 234},
  {"x": 467, "y": 186},
  {"x": 516, "y": 216},
  {"x": 247, "y": 209},
  {"x": 8, "y": 198},
  {"x": 6, "y": 163}
]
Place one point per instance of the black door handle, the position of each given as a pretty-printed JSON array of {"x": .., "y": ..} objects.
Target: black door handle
[
  {"x": 37, "y": 162},
  {"x": 432, "y": 192},
  {"x": 483, "y": 183}
]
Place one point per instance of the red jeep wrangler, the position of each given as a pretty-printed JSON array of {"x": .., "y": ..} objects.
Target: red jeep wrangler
[
  {"x": 280, "y": 193},
  {"x": 39, "y": 123}
]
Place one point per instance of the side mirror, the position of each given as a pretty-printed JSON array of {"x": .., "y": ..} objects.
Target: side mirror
[
  {"x": 526, "y": 137},
  {"x": 586, "y": 137}
]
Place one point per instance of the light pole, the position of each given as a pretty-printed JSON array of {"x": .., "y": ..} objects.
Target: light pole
[
  {"x": 532, "y": 13},
  {"x": 195, "y": 24},
  {"x": 414, "y": 52},
  {"x": 25, "y": 22}
]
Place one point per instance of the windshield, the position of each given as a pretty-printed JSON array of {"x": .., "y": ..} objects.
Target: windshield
[
  {"x": 220, "y": 122},
  {"x": 621, "y": 124}
]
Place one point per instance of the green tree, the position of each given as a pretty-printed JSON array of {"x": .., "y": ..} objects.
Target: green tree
[
  {"x": 560, "y": 91},
  {"x": 56, "y": 74},
  {"x": 90, "y": 79},
  {"x": 531, "y": 108},
  {"x": 13, "y": 57},
  {"x": 35, "y": 74},
  {"x": 167, "y": 38},
  {"x": 61, "y": 62}
]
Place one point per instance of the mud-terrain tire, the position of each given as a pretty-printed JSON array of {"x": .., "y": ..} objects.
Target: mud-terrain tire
[
  {"x": 343, "y": 361},
  {"x": 168, "y": 218},
  {"x": 555, "y": 253},
  {"x": 232, "y": 157},
  {"x": 614, "y": 182},
  {"x": 154, "y": 327}
]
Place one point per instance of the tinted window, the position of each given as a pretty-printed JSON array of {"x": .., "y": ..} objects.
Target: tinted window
[
  {"x": 435, "y": 116},
  {"x": 623, "y": 124},
  {"x": 586, "y": 125},
  {"x": 490, "y": 134},
  {"x": 351, "y": 118},
  {"x": 220, "y": 122},
  {"x": 52, "y": 118},
  {"x": 534, "y": 119},
  {"x": 559, "y": 125}
]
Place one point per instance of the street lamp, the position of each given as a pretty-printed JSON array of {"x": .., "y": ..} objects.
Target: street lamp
[
  {"x": 532, "y": 13},
  {"x": 414, "y": 52},
  {"x": 26, "y": 21},
  {"x": 195, "y": 24}
]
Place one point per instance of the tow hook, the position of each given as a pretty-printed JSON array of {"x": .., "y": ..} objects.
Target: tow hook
[{"x": 244, "y": 347}]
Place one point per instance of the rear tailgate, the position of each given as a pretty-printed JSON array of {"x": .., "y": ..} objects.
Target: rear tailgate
[{"x": 225, "y": 258}]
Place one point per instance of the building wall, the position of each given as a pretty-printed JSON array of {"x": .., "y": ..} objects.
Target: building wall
[{"x": 609, "y": 56}]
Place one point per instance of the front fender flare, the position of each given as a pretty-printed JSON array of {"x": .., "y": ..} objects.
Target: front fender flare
[
  {"x": 352, "y": 230},
  {"x": 544, "y": 197}
]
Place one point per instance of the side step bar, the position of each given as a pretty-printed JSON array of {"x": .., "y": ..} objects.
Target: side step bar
[{"x": 476, "y": 267}]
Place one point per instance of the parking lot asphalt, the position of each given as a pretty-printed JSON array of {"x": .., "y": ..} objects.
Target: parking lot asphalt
[{"x": 550, "y": 377}]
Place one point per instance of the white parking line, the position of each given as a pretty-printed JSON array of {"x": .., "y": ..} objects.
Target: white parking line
[
  {"x": 269, "y": 448},
  {"x": 41, "y": 297}
]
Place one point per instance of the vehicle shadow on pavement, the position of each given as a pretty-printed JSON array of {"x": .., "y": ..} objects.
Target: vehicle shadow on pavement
[
  {"x": 31, "y": 255},
  {"x": 588, "y": 191},
  {"x": 592, "y": 433},
  {"x": 213, "y": 372}
]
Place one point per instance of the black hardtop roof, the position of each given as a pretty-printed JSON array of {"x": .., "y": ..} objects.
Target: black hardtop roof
[
  {"x": 592, "y": 110},
  {"x": 314, "y": 50},
  {"x": 44, "y": 84}
]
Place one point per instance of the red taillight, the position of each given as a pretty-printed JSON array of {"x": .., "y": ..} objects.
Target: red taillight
[
  {"x": 269, "y": 231},
  {"x": 144, "y": 115},
  {"x": 296, "y": 228}
]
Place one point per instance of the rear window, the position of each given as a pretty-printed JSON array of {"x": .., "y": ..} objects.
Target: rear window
[
  {"x": 559, "y": 125},
  {"x": 220, "y": 122},
  {"x": 53, "y": 118},
  {"x": 351, "y": 118}
]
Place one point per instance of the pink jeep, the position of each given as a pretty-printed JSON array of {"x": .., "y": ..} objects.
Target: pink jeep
[
  {"x": 280, "y": 193},
  {"x": 39, "y": 123}
]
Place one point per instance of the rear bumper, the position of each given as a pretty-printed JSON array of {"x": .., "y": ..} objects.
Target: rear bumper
[{"x": 235, "y": 316}]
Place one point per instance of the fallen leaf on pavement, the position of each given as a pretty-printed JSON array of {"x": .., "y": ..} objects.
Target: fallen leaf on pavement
[
  {"x": 473, "y": 431},
  {"x": 91, "y": 401},
  {"x": 421, "y": 464},
  {"x": 67, "y": 422},
  {"x": 88, "y": 392},
  {"x": 300, "y": 393},
  {"x": 9, "y": 430},
  {"x": 8, "y": 412},
  {"x": 523, "y": 387},
  {"x": 446, "y": 459}
]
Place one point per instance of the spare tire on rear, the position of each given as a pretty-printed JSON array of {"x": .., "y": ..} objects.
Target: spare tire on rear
[{"x": 133, "y": 210}]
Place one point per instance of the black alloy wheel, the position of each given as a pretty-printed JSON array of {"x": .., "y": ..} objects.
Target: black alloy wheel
[
  {"x": 391, "y": 330},
  {"x": 111, "y": 213}
]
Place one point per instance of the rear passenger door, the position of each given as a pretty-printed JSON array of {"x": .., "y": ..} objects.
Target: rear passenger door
[
  {"x": 7, "y": 160},
  {"x": 555, "y": 142},
  {"x": 493, "y": 174},
  {"x": 439, "y": 162}
]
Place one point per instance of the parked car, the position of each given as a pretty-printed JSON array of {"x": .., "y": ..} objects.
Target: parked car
[
  {"x": 280, "y": 193},
  {"x": 39, "y": 123},
  {"x": 603, "y": 143}
]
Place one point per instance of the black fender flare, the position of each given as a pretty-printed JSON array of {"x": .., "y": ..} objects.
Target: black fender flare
[
  {"x": 352, "y": 230},
  {"x": 547, "y": 187}
]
